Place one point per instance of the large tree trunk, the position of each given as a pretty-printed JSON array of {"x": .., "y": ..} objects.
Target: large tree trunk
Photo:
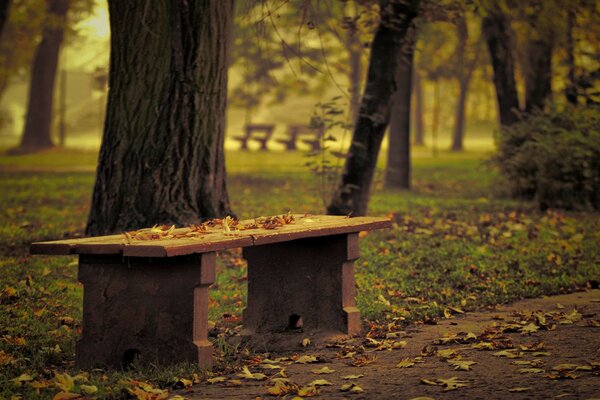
[
  {"x": 397, "y": 173},
  {"x": 162, "y": 158},
  {"x": 352, "y": 195},
  {"x": 37, "y": 134},
  {"x": 497, "y": 32},
  {"x": 418, "y": 113}
]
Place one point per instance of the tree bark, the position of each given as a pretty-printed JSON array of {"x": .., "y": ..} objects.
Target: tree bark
[
  {"x": 418, "y": 113},
  {"x": 497, "y": 32},
  {"x": 356, "y": 72},
  {"x": 37, "y": 134},
  {"x": 162, "y": 158},
  {"x": 352, "y": 195},
  {"x": 397, "y": 173}
]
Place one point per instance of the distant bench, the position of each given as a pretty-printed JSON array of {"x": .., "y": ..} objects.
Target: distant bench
[
  {"x": 313, "y": 137},
  {"x": 258, "y": 132},
  {"x": 146, "y": 292}
]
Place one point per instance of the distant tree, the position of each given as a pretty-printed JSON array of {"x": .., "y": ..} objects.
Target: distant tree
[
  {"x": 541, "y": 31},
  {"x": 162, "y": 159},
  {"x": 352, "y": 195},
  {"x": 466, "y": 60},
  {"x": 4, "y": 9},
  {"x": 398, "y": 169},
  {"x": 418, "y": 110},
  {"x": 38, "y": 121},
  {"x": 497, "y": 31},
  {"x": 21, "y": 34}
]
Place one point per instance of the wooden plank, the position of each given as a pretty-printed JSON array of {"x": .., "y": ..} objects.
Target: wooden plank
[{"x": 214, "y": 239}]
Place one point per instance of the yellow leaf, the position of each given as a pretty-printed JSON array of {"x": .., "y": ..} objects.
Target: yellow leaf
[
  {"x": 246, "y": 374},
  {"x": 218, "y": 379},
  {"x": 66, "y": 396},
  {"x": 320, "y": 382},
  {"x": 506, "y": 353},
  {"x": 88, "y": 389},
  {"x": 447, "y": 353},
  {"x": 565, "y": 367},
  {"x": 18, "y": 381},
  {"x": 280, "y": 389},
  {"x": 352, "y": 376},
  {"x": 452, "y": 383},
  {"x": 324, "y": 370},
  {"x": 64, "y": 382},
  {"x": 308, "y": 391},
  {"x": 463, "y": 365},
  {"x": 306, "y": 359},
  {"x": 530, "y": 370},
  {"x": 234, "y": 382},
  {"x": 428, "y": 382},
  {"x": 405, "y": 363},
  {"x": 305, "y": 342}
]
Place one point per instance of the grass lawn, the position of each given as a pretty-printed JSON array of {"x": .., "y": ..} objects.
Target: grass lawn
[{"x": 456, "y": 245}]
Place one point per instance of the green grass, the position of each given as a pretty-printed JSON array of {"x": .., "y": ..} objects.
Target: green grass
[{"x": 455, "y": 243}]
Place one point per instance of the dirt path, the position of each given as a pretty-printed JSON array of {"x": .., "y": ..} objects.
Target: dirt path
[{"x": 554, "y": 353}]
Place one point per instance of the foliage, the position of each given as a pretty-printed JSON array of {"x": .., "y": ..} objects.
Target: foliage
[
  {"x": 451, "y": 248},
  {"x": 554, "y": 158},
  {"x": 326, "y": 163}
]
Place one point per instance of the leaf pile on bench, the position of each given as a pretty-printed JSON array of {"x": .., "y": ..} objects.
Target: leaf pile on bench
[{"x": 228, "y": 224}]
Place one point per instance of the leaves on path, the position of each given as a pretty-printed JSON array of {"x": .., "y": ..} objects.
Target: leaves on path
[
  {"x": 405, "y": 363},
  {"x": 324, "y": 370},
  {"x": 352, "y": 376},
  {"x": 530, "y": 370},
  {"x": 246, "y": 374},
  {"x": 352, "y": 388},
  {"x": 463, "y": 365}
]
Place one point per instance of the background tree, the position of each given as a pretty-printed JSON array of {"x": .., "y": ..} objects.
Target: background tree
[
  {"x": 398, "y": 169},
  {"x": 4, "y": 9},
  {"x": 162, "y": 159},
  {"x": 497, "y": 31},
  {"x": 352, "y": 195},
  {"x": 38, "y": 121}
]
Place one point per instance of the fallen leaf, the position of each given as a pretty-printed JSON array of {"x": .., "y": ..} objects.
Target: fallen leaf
[
  {"x": 234, "y": 382},
  {"x": 218, "y": 379},
  {"x": 507, "y": 354},
  {"x": 452, "y": 383},
  {"x": 428, "y": 382},
  {"x": 18, "y": 381},
  {"x": 324, "y": 370},
  {"x": 529, "y": 328},
  {"x": 320, "y": 382},
  {"x": 308, "y": 391},
  {"x": 306, "y": 359},
  {"x": 405, "y": 363},
  {"x": 352, "y": 376},
  {"x": 565, "y": 367},
  {"x": 280, "y": 389},
  {"x": 91, "y": 389},
  {"x": 447, "y": 353},
  {"x": 246, "y": 374},
  {"x": 463, "y": 365},
  {"x": 541, "y": 354},
  {"x": 305, "y": 342}
]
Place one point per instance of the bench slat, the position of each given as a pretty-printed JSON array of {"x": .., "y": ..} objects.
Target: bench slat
[{"x": 214, "y": 240}]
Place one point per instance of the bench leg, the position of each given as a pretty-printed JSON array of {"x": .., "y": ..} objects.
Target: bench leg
[
  {"x": 306, "y": 282},
  {"x": 146, "y": 310}
]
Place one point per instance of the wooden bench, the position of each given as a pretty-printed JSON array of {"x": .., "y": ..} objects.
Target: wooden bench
[
  {"x": 295, "y": 131},
  {"x": 146, "y": 292},
  {"x": 258, "y": 132}
]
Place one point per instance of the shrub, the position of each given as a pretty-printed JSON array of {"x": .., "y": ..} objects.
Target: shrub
[{"x": 553, "y": 158}]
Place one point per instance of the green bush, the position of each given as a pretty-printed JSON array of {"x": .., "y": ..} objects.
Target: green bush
[{"x": 553, "y": 158}]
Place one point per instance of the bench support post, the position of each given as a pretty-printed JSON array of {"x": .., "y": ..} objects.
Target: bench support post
[
  {"x": 149, "y": 310},
  {"x": 304, "y": 285}
]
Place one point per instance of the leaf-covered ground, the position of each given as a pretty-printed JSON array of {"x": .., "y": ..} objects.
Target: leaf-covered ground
[{"x": 456, "y": 246}]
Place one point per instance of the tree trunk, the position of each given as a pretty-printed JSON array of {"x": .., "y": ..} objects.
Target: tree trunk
[
  {"x": 418, "y": 110},
  {"x": 162, "y": 158},
  {"x": 571, "y": 89},
  {"x": 464, "y": 76},
  {"x": 397, "y": 173},
  {"x": 497, "y": 32},
  {"x": 4, "y": 9},
  {"x": 459, "y": 121},
  {"x": 352, "y": 195},
  {"x": 538, "y": 77},
  {"x": 37, "y": 134}
]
